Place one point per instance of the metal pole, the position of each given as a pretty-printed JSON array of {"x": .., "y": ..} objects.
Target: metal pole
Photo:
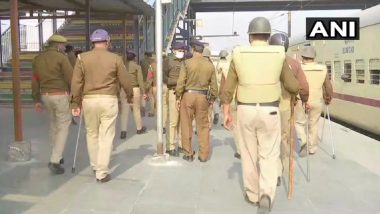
[
  {"x": 289, "y": 24},
  {"x": 40, "y": 32},
  {"x": 54, "y": 21},
  {"x": 1, "y": 48},
  {"x": 16, "y": 72},
  {"x": 136, "y": 36},
  {"x": 159, "y": 40},
  {"x": 88, "y": 10},
  {"x": 125, "y": 39}
]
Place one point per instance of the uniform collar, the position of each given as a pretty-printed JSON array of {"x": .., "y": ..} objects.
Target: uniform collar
[
  {"x": 99, "y": 49},
  {"x": 51, "y": 49},
  {"x": 259, "y": 43}
]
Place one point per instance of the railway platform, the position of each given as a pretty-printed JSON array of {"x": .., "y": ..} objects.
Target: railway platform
[{"x": 140, "y": 185}]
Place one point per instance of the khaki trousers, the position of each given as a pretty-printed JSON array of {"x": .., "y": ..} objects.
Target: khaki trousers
[
  {"x": 314, "y": 116},
  {"x": 283, "y": 161},
  {"x": 259, "y": 131},
  {"x": 234, "y": 130},
  {"x": 60, "y": 120},
  {"x": 152, "y": 98},
  {"x": 100, "y": 113},
  {"x": 165, "y": 103},
  {"x": 174, "y": 130},
  {"x": 125, "y": 106},
  {"x": 195, "y": 105}
]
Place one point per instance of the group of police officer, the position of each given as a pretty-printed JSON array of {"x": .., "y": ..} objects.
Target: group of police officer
[{"x": 258, "y": 87}]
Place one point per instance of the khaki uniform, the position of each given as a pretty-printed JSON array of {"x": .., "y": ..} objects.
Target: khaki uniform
[
  {"x": 171, "y": 71},
  {"x": 144, "y": 68},
  {"x": 72, "y": 57},
  {"x": 151, "y": 86},
  {"x": 285, "y": 112},
  {"x": 97, "y": 76},
  {"x": 197, "y": 76},
  {"x": 316, "y": 75},
  {"x": 51, "y": 79},
  {"x": 137, "y": 83},
  {"x": 257, "y": 77}
]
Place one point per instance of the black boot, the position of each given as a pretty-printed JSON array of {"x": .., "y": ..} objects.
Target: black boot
[
  {"x": 216, "y": 119},
  {"x": 189, "y": 158},
  {"x": 56, "y": 168},
  {"x": 237, "y": 155},
  {"x": 142, "y": 112},
  {"x": 150, "y": 115},
  {"x": 141, "y": 131},
  {"x": 62, "y": 161},
  {"x": 105, "y": 179},
  {"x": 278, "y": 181},
  {"x": 265, "y": 205},
  {"x": 123, "y": 135},
  {"x": 164, "y": 131}
]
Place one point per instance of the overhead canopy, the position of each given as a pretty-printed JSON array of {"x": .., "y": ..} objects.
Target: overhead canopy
[
  {"x": 138, "y": 7},
  {"x": 272, "y": 5}
]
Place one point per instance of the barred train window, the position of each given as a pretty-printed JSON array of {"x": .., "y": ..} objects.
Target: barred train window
[
  {"x": 337, "y": 70},
  {"x": 328, "y": 65},
  {"x": 374, "y": 71},
  {"x": 348, "y": 70},
  {"x": 360, "y": 71}
]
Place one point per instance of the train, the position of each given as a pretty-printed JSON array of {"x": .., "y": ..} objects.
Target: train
[{"x": 354, "y": 70}]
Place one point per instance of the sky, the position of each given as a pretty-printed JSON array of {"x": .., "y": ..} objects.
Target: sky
[{"x": 225, "y": 23}]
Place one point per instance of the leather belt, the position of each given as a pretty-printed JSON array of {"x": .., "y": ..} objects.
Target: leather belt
[
  {"x": 204, "y": 92},
  {"x": 55, "y": 93},
  {"x": 272, "y": 104}
]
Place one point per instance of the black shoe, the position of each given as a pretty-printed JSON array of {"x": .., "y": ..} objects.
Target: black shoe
[
  {"x": 189, "y": 158},
  {"x": 264, "y": 205},
  {"x": 141, "y": 131},
  {"x": 196, "y": 133},
  {"x": 164, "y": 131},
  {"x": 104, "y": 180},
  {"x": 251, "y": 202},
  {"x": 172, "y": 153},
  {"x": 302, "y": 152},
  {"x": 56, "y": 168},
  {"x": 150, "y": 115},
  {"x": 142, "y": 110},
  {"x": 237, "y": 155},
  {"x": 216, "y": 118},
  {"x": 123, "y": 135},
  {"x": 180, "y": 150},
  {"x": 201, "y": 160},
  {"x": 278, "y": 181},
  {"x": 62, "y": 161}
]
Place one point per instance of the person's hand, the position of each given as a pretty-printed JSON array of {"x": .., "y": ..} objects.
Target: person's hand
[
  {"x": 227, "y": 121},
  {"x": 75, "y": 112},
  {"x": 145, "y": 96},
  {"x": 178, "y": 104},
  {"x": 38, "y": 107},
  {"x": 327, "y": 101},
  {"x": 307, "y": 106}
]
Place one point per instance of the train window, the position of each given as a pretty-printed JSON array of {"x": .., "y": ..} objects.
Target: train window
[
  {"x": 337, "y": 71},
  {"x": 374, "y": 71},
  {"x": 348, "y": 70},
  {"x": 328, "y": 65},
  {"x": 360, "y": 71}
]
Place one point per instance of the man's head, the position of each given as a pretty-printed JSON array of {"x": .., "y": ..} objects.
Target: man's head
[
  {"x": 308, "y": 54},
  {"x": 178, "y": 49},
  {"x": 148, "y": 54},
  {"x": 69, "y": 48},
  {"x": 197, "y": 47},
  {"x": 206, "y": 53},
  {"x": 131, "y": 54},
  {"x": 57, "y": 41},
  {"x": 100, "y": 38},
  {"x": 259, "y": 29},
  {"x": 279, "y": 39}
]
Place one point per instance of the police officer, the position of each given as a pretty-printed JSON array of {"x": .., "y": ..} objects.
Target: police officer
[
  {"x": 171, "y": 70},
  {"x": 223, "y": 68},
  {"x": 137, "y": 83},
  {"x": 69, "y": 50},
  {"x": 285, "y": 102},
  {"x": 320, "y": 91},
  {"x": 256, "y": 72},
  {"x": 145, "y": 64},
  {"x": 52, "y": 73},
  {"x": 207, "y": 54},
  {"x": 196, "y": 79},
  {"x": 97, "y": 75}
]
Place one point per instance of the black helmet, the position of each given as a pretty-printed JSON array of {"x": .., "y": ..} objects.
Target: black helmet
[{"x": 279, "y": 39}]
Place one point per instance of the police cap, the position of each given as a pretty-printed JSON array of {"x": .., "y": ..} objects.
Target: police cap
[
  {"x": 223, "y": 53},
  {"x": 197, "y": 43},
  {"x": 57, "y": 38},
  {"x": 279, "y": 39},
  {"x": 178, "y": 46},
  {"x": 308, "y": 52},
  {"x": 131, "y": 52},
  {"x": 259, "y": 25},
  {"x": 99, "y": 35}
]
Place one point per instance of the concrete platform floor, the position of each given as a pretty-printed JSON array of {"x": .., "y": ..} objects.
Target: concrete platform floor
[{"x": 349, "y": 184}]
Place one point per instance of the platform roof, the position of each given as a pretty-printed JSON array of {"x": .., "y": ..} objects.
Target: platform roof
[
  {"x": 102, "y": 6},
  {"x": 273, "y": 5}
]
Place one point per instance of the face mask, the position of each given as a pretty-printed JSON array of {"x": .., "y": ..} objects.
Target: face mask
[{"x": 179, "y": 55}]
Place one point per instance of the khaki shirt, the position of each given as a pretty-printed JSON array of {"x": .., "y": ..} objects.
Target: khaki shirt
[
  {"x": 136, "y": 75},
  {"x": 152, "y": 81},
  {"x": 99, "y": 72},
  {"x": 171, "y": 70},
  {"x": 327, "y": 90},
  {"x": 145, "y": 66},
  {"x": 287, "y": 79},
  {"x": 300, "y": 76},
  {"x": 72, "y": 58},
  {"x": 52, "y": 72},
  {"x": 197, "y": 73}
]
